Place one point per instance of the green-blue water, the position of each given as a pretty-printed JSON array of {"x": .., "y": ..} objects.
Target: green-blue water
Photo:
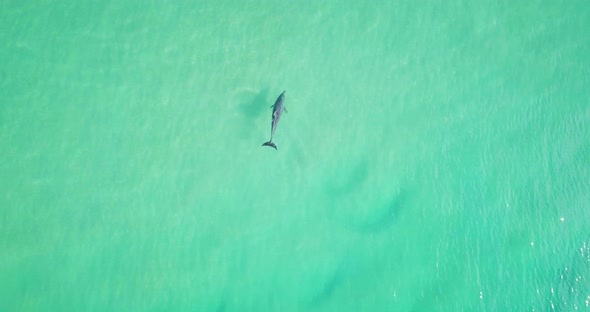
[{"x": 435, "y": 156}]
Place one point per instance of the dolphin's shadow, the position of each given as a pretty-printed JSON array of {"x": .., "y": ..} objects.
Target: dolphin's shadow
[
  {"x": 343, "y": 274},
  {"x": 349, "y": 182},
  {"x": 325, "y": 292},
  {"x": 385, "y": 216},
  {"x": 254, "y": 107},
  {"x": 366, "y": 219}
]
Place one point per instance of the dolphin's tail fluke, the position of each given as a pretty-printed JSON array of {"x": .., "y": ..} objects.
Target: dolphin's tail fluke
[{"x": 270, "y": 143}]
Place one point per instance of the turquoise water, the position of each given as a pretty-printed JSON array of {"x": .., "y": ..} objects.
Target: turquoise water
[{"x": 434, "y": 157}]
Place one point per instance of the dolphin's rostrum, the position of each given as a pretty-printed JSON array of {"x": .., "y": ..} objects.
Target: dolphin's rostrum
[{"x": 277, "y": 110}]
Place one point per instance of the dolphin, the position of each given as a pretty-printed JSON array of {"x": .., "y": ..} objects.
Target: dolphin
[{"x": 277, "y": 110}]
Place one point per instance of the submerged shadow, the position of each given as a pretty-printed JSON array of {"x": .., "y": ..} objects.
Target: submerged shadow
[
  {"x": 254, "y": 107},
  {"x": 341, "y": 275},
  {"x": 349, "y": 182},
  {"x": 326, "y": 291},
  {"x": 385, "y": 216}
]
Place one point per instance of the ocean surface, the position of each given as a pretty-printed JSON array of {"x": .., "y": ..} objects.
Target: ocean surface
[{"x": 434, "y": 156}]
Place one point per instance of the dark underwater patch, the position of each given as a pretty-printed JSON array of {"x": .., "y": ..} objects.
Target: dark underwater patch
[
  {"x": 383, "y": 217},
  {"x": 256, "y": 106},
  {"x": 343, "y": 274},
  {"x": 351, "y": 181}
]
